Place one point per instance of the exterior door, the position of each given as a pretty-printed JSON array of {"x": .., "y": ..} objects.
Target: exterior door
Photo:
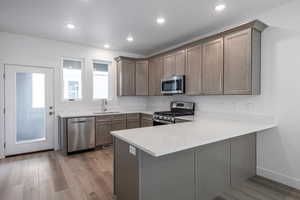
[{"x": 29, "y": 108}]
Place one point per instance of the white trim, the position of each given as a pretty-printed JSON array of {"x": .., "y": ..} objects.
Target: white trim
[
  {"x": 2, "y": 135},
  {"x": 281, "y": 178}
]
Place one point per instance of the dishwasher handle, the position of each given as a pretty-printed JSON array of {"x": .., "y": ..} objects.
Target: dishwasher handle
[{"x": 78, "y": 122}]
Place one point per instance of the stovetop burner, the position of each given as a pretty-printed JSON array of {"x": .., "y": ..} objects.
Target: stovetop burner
[
  {"x": 173, "y": 114},
  {"x": 177, "y": 109}
]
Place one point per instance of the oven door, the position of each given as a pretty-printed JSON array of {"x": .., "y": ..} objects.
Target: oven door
[
  {"x": 157, "y": 122},
  {"x": 174, "y": 85}
]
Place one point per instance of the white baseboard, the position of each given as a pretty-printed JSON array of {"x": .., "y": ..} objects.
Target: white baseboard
[{"x": 278, "y": 177}]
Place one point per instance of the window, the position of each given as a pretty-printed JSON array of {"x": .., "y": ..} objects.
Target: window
[
  {"x": 38, "y": 90},
  {"x": 72, "y": 79},
  {"x": 100, "y": 80}
]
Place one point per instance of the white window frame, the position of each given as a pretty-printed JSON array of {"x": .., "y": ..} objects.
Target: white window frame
[
  {"x": 82, "y": 60},
  {"x": 109, "y": 63}
]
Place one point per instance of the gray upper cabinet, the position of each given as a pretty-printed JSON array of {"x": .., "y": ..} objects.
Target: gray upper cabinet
[
  {"x": 141, "y": 78},
  {"x": 174, "y": 64},
  {"x": 180, "y": 62},
  {"x": 242, "y": 62},
  {"x": 155, "y": 76},
  {"x": 193, "y": 70},
  {"x": 169, "y": 66},
  {"x": 212, "y": 68},
  {"x": 125, "y": 77}
]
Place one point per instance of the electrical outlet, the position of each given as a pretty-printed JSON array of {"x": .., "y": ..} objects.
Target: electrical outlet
[{"x": 132, "y": 150}]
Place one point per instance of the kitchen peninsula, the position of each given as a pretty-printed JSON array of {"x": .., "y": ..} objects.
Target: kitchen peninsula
[{"x": 192, "y": 160}]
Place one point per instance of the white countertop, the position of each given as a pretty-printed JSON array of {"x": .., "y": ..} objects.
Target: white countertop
[
  {"x": 167, "y": 139},
  {"x": 98, "y": 113}
]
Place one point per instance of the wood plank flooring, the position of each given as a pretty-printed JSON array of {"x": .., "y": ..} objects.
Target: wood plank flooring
[
  {"x": 52, "y": 176},
  {"x": 89, "y": 176}
]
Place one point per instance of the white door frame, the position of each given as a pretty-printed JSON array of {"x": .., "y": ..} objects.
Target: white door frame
[
  {"x": 2, "y": 111},
  {"x": 52, "y": 123}
]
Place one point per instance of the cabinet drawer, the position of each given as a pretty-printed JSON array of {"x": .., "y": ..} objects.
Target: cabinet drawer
[
  {"x": 101, "y": 118},
  {"x": 146, "y": 116},
  {"x": 118, "y": 125},
  {"x": 119, "y": 117},
  {"x": 146, "y": 123},
  {"x": 133, "y": 116},
  {"x": 133, "y": 124}
]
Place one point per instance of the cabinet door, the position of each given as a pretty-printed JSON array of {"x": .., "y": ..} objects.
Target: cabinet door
[
  {"x": 180, "y": 61},
  {"x": 193, "y": 70},
  {"x": 212, "y": 170},
  {"x": 126, "y": 78},
  {"x": 212, "y": 68},
  {"x": 243, "y": 159},
  {"x": 103, "y": 135},
  {"x": 146, "y": 123},
  {"x": 118, "y": 125},
  {"x": 237, "y": 63},
  {"x": 169, "y": 65},
  {"x": 155, "y": 76},
  {"x": 141, "y": 77}
]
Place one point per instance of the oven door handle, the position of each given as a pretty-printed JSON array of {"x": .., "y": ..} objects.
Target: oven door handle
[{"x": 163, "y": 121}]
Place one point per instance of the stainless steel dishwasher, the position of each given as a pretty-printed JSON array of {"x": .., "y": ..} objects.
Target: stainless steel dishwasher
[{"x": 81, "y": 133}]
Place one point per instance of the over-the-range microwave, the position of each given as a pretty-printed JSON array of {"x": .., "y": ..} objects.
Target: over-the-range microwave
[{"x": 173, "y": 85}]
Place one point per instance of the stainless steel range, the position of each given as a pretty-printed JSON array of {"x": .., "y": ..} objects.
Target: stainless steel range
[{"x": 177, "y": 109}]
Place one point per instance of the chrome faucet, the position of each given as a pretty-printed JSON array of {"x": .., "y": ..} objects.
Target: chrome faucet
[{"x": 104, "y": 105}]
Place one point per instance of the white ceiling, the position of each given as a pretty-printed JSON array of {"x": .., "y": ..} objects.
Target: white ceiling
[{"x": 110, "y": 21}]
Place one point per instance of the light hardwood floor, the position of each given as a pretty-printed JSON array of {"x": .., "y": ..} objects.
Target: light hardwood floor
[
  {"x": 52, "y": 176},
  {"x": 88, "y": 176}
]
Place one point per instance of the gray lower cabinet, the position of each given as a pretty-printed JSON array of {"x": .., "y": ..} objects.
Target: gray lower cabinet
[
  {"x": 213, "y": 170},
  {"x": 103, "y": 136},
  {"x": 119, "y": 122},
  {"x": 133, "y": 120},
  {"x": 243, "y": 159},
  {"x": 201, "y": 173},
  {"x": 146, "y": 120}
]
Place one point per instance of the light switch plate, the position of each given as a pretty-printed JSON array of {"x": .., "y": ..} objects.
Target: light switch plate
[{"x": 132, "y": 150}]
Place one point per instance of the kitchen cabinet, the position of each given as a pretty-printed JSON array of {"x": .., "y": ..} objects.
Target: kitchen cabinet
[
  {"x": 103, "y": 128},
  {"x": 213, "y": 170},
  {"x": 146, "y": 120},
  {"x": 193, "y": 71},
  {"x": 243, "y": 159},
  {"x": 201, "y": 173},
  {"x": 174, "y": 64},
  {"x": 133, "y": 120},
  {"x": 242, "y": 62},
  {"x": 155, "y": 76},
  {"x": 141, "y": 78},
  {"x": 118, "y": 122},
  {"x": 212, "y": 68},
  {"x": 126, "y": 77}
]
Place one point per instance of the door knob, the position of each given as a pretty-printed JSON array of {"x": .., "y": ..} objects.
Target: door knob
[{"x": 51, "y": 113}]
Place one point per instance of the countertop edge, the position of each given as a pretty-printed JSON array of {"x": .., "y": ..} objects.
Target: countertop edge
[{"x": 115, "y": 134}]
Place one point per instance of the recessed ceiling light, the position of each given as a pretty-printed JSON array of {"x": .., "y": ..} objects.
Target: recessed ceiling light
[
  {"x": 220, "y": 7},
  {"x": 106, "y": 46},
  {"x": 70, "y": 26},
  {"x": 160, "y": 20},
  {"x": 129, "y": 38}
]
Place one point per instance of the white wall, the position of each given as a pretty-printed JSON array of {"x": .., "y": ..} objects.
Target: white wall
[
  {"x": 278, "y": 149},
  {"x": 24, "y": 50}
]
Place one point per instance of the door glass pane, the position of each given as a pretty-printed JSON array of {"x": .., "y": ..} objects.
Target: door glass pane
[{"x": 30, "y": 107}]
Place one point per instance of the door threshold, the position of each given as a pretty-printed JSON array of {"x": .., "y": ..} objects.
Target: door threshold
[{"x": 34, "y": 152}]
